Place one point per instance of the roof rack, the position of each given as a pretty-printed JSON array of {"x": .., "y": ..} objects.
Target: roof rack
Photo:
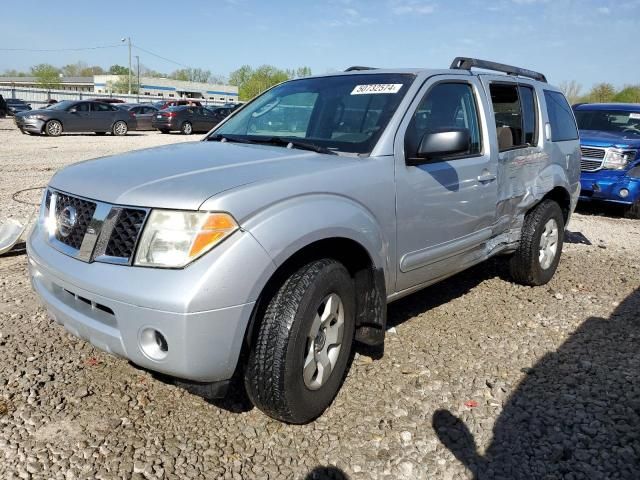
[
  {"x": 466, "y": 63},
  {"x": 356, "y": 68}
]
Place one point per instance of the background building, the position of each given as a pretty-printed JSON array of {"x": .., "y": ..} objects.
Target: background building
[{"x": 166, "y": 87}]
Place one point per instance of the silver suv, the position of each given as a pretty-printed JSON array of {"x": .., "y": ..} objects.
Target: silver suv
[{"x": 266, "y": 249}]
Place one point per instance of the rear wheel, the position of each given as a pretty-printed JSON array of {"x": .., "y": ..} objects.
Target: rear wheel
[
  {"x": 186, "y": 128},
  {"x": 633, "y": 211},
  {"x": 537, "y": 257},
  {"x": 53, "y": 128},
  {"x": 120, "y": 128},
  {"x": 301, "y": 350}
]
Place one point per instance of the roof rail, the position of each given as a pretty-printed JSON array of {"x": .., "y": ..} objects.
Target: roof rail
[
  {"x": 356, "y": 68},
  {"x": 466, "y": 63}
]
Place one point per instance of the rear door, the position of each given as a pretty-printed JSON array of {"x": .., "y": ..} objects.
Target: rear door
[
  {"x": 103, "y": 116},
  {"x": 144, "y": 115},
  {"x": 446, "y": 206}
]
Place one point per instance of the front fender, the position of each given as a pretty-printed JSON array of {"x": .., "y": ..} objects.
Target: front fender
[{"x": 289, "y": 225}]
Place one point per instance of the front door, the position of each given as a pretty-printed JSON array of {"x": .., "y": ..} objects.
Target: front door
[{"x": 445, "y": 207}]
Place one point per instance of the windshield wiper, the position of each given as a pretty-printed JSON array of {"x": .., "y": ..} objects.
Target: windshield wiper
[{"x": 279, "y": 141}]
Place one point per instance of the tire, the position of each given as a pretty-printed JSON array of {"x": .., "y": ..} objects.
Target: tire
[
  {"x": 120, "y": 128},
  {"x": 532, "y": 264},
  {"x": 53, "y": 128},
  {"x": 633, "y": 211},
  {"x": 275, "y": 377},
  {"x": 186, "y": 128}
]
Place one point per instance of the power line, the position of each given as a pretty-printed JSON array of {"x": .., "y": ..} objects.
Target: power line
[
  {"x": 160, "y": 56},
  {"x": 58, "y": 49}
]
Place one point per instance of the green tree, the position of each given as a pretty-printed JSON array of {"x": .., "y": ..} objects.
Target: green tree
[
  {"x": 602, "y": 93},
  {"x": 121, "y": 85},
  {"x": 629, "y": 94},
  {"x": 118, "y": 70},
  {"x": 91, "y": 71},
  {"x": 47, "y": 75},
  {"x": 14, "y": 73},
  {"x": 252, "y": 82}
]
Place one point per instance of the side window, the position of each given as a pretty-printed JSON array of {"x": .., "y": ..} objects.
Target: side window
[
  {"x": 100, "y": 107},
  {"x": 445, "y": 106},
  {"x": 529, "y": 117},
  {"x": 508, "y": 114},
  {"x": 563, "y": 125},
  {"x": 82, "y": 107}
]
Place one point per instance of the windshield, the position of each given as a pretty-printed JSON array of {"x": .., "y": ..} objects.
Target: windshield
[
  {"x": 346, "y": 113},
  {"x": 609, "y": 121},
  {"x": 61, "y": 105}
]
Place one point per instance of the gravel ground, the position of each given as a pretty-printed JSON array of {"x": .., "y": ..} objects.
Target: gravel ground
[{"x": 479, "y": 377}]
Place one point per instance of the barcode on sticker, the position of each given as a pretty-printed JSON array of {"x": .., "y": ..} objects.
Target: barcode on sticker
[{"x": 376, "y": 88}]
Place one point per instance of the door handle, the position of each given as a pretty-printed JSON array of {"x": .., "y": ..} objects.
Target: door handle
[{"x": 486, "y": 177}]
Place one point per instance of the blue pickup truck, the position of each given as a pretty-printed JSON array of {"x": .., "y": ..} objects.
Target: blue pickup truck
[{"x": 610, "y": 162}]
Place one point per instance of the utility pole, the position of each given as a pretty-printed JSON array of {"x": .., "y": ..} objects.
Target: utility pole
[
  {"x": 138, "y": 65},
  {"x": 128, "y": 39}
]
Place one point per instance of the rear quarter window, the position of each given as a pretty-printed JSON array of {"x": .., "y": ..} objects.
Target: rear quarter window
[{"x": 563, "y": 124}]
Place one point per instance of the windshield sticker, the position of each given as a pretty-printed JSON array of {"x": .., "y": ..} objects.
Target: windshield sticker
[
  {"x": 634, "y": 116},
  {"x": 376, "y": 88}
]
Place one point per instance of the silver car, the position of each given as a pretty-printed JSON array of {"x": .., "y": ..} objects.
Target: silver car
[
  {"x": 77, "y": 116},
  {"x": 272, "y": 245}
]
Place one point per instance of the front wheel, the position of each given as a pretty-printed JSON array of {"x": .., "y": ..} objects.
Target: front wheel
[
  {"x": 302, "y": 347},
  {"x": 537, "y": 257},
  {"x": 120, "y": 128},
  {"x": 53, "y": 128},
  {"x": 186, "y": 128}
]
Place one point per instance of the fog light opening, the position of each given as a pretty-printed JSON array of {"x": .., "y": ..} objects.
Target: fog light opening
[
  {"x": 153, "y": 344},
  {"x": 624, "y": 193}
]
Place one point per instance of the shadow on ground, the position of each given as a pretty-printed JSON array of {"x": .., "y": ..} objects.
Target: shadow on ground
[
  {"x": 575, "y": 416},
  {"x": 326, "y": 473}
]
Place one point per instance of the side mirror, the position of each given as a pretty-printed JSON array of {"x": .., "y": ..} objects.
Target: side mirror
[{"x": 441, "y": 143}]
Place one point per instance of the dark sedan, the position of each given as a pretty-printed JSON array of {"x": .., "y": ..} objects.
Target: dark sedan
[
  {"x": 185, "y": 119},
  {"x": 76, "y": 116},
  {"x": 15, "y": 106},
  {"x": 143, "y": 113}
]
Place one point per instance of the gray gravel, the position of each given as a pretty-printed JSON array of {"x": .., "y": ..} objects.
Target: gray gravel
[{"x": 478, "y": 377}]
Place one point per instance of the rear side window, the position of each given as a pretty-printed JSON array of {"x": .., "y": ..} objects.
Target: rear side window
[
  {"x": 514, "y": 107},
  {"x": 563, "y": 125}
]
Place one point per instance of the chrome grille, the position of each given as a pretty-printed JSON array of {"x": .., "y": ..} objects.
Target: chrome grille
[
  {"x": 102, "y": 232},
  {"x": 84, "y": 213},
  {"x": 592, "y": 158}
]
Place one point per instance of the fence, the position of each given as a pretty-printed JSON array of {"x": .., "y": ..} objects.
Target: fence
[{"x": 40, "y": 96}]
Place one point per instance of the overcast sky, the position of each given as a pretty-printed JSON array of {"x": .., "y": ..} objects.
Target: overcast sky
[{"x": 585, "y": 40}]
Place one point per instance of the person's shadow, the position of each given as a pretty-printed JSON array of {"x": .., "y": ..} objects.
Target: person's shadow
[{"x": 575, "y": 416}]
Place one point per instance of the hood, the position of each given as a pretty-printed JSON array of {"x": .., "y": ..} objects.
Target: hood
[
  {"x": 597, "y": 138},
  {"x": 183, "y": 176}
]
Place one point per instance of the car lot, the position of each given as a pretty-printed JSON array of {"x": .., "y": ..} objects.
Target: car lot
[{"x": 545, "y": 379}]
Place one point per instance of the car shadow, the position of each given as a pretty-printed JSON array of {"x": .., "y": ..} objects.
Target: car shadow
[
  {"x": 575, "y": 415},
  {"x": 600, "y": 209},
  {"x": 326, "y": 473}
]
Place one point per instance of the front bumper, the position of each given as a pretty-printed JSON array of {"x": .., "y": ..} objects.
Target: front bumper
[
  {"x": 606, "y": 186},
  {"x": 196, "y": 309},
  {"x": 29, "y": 125}
]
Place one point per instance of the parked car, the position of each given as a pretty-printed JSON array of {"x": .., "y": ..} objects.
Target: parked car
[
  {"x": 15, "y": 105},
  {"x": 220, "y": 113},
  {"x": 269, "y": 251},
  {"x": 142, "y": 112},
  {"x": 185, "y": 119},
  {"x": 76, "y": 116},
  {"x": 610, "y": 145},
  {"x": 163, "y": 104},
  {"x": 107, "y": 100}
]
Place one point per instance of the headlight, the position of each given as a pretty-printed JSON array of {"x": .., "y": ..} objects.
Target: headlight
[
  {"x": 616, "y": 159},
  {"x": 173, "y": 239},
  {"x": 31, "y": 117}
]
